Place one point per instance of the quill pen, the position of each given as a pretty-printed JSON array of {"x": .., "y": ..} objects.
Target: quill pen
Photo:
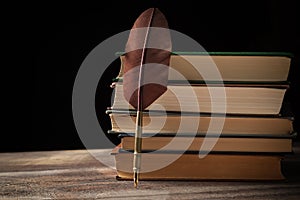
[{"x": 146, "y": 60}]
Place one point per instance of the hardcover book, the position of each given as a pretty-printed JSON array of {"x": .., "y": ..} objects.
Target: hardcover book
[
  {"x": 212, "y": 167},
  {"x": 255, "y": 135},
  {"x": 238, "y": 99},
  {"x": 233, "y": 66},
  {"x": 170, "y": 122}
]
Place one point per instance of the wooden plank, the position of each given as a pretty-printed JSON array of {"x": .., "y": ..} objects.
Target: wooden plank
[{"x": 75, "y": 174}]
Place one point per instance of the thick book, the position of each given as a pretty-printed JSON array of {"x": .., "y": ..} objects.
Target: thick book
[
  {"x": 221, "y": 144},
  {"x": 232, "y": 66},
  {"x": 212, "y": 167},
  {"x": 232, "y": 125},
  {"x": 237, "y": 99}
]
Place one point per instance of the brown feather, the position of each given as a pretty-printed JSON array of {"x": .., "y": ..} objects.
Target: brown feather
[{"x": 147, "y": 56}]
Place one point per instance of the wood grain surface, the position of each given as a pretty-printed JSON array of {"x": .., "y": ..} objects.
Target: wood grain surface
[{"x": 76, "y": 174}]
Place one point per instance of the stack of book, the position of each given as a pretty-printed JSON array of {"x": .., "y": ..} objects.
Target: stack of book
[{"x": 189, "y": 136}]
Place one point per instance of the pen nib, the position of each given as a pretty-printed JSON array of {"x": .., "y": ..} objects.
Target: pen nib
[{"x": 136, "y": 180}]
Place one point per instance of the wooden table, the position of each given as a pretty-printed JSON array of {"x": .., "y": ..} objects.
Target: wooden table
[{"x": 75, "y": 174}]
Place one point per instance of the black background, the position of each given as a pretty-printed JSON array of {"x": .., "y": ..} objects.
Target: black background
[{"x": 47, "y": 42}]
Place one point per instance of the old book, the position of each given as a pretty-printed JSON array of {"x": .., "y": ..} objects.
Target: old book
[
  {"x": 212, "y": 167},
  {"x": 122, "y": 121},
  {"x": 232, "y": 66},
  {"x": 255, "y": 135},
  {"x": 222, "y": 144},
  {"x": 237, "y": 99}
]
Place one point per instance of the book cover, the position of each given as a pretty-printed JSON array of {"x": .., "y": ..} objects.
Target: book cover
[
  {"x": 182, "y": 122},
  {"x": 189, "y": 166},
  {"x": 281, "y": 144},
  {"x": 232, "y": 66},
  {"x": 210, "y": 99}
]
